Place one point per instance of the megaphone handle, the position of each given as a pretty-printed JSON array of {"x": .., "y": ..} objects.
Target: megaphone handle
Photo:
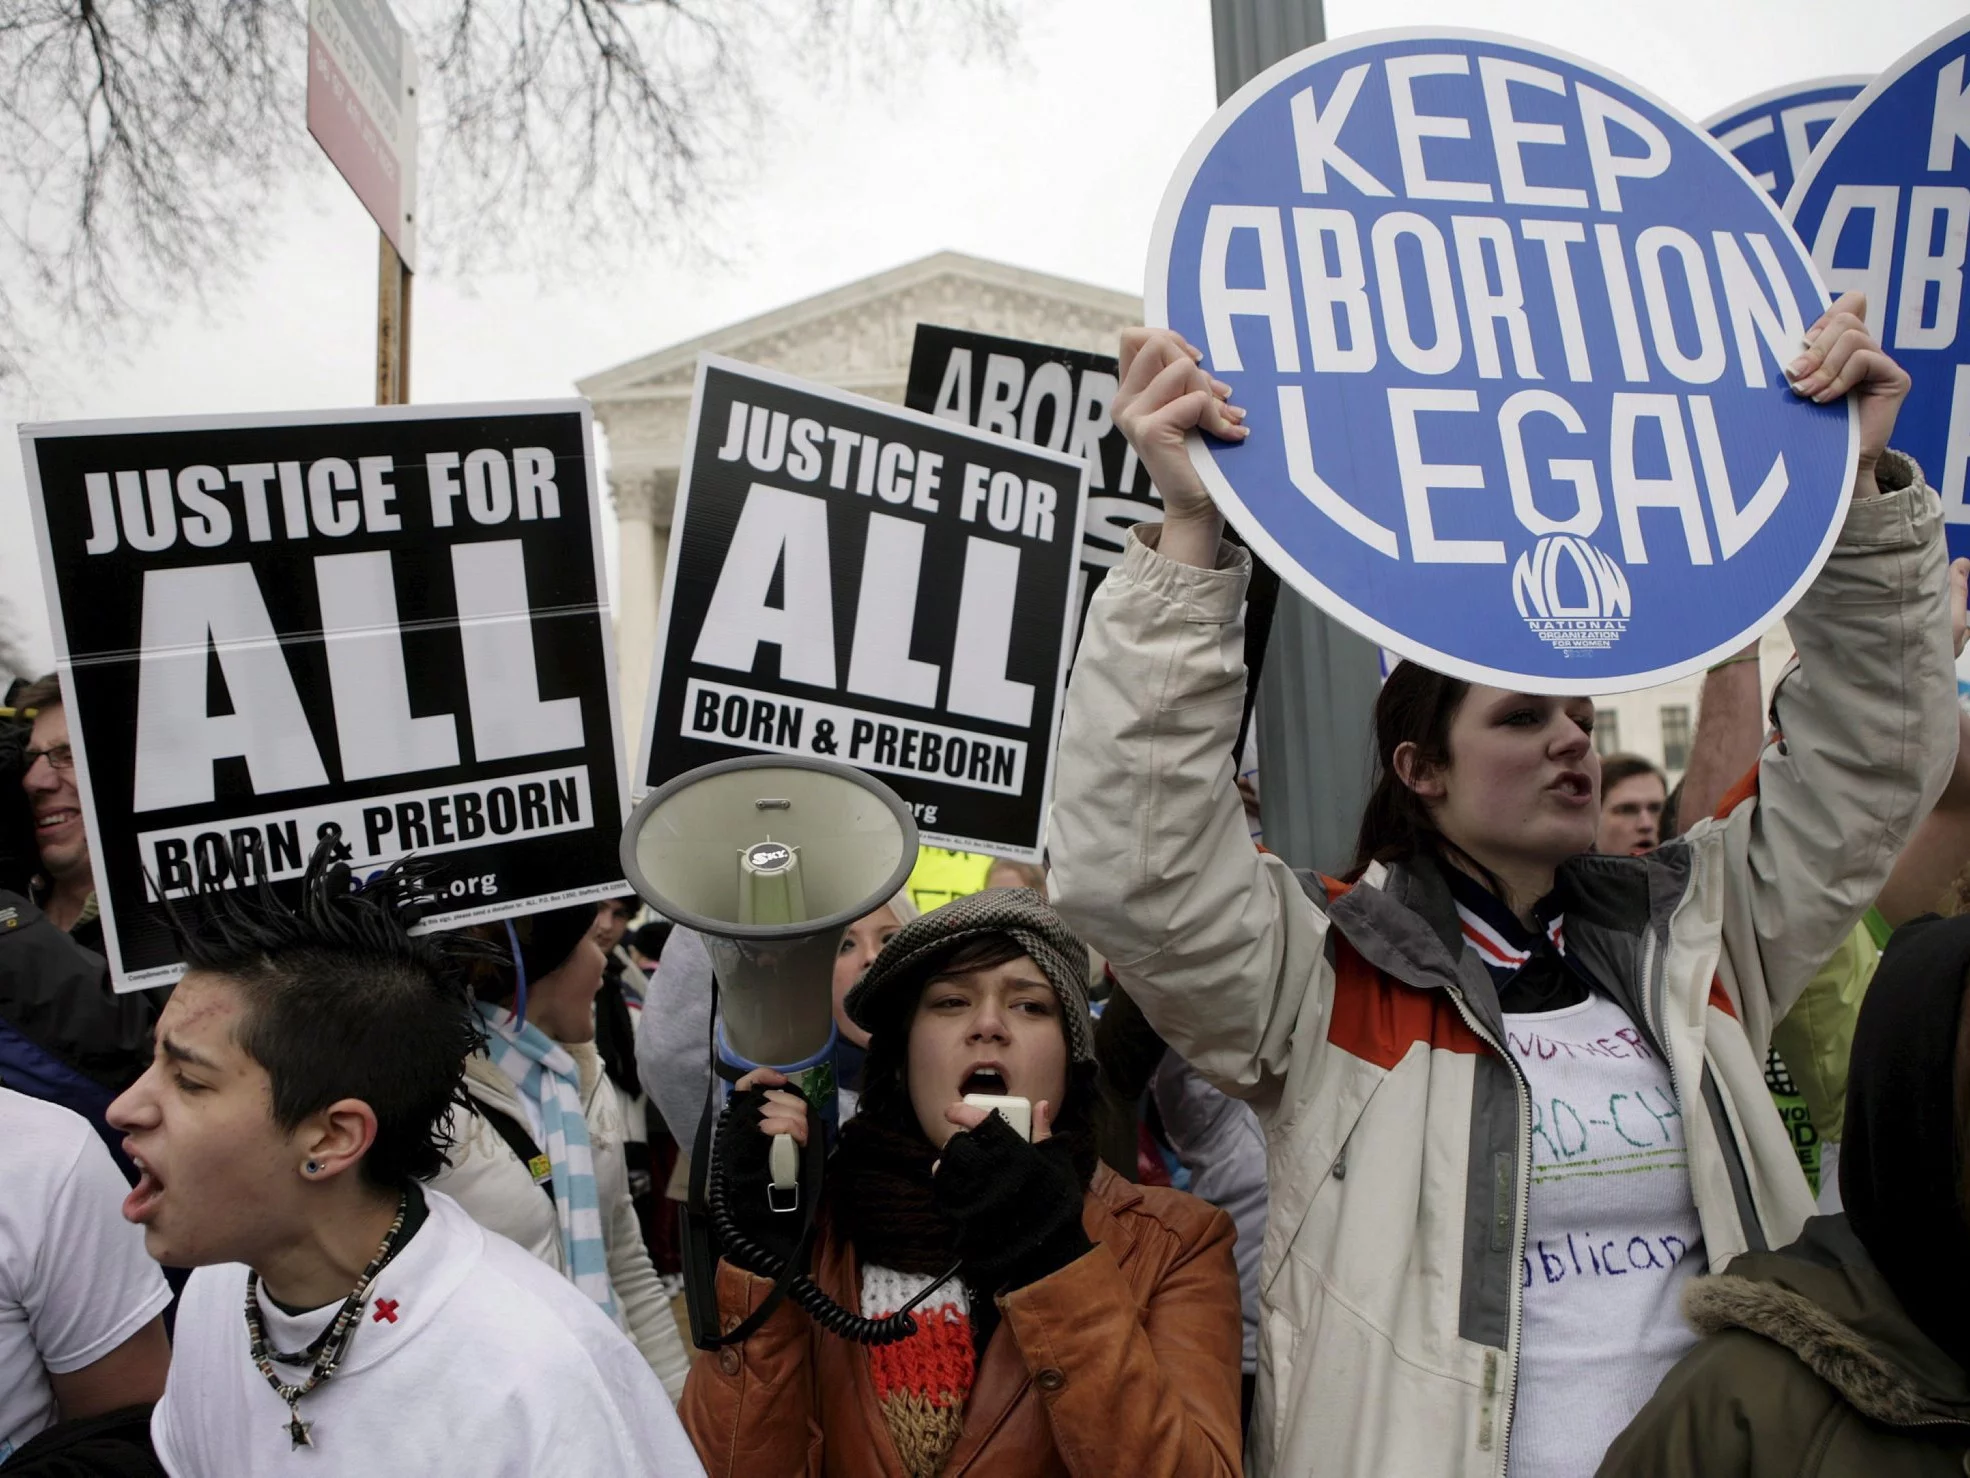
[
  {"x": 708, "y": 1171},
  {"x": 783, "y": 1160}
]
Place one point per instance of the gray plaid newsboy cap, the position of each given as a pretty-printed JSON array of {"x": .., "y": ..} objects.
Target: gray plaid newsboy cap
[{"x": 1019, "y": 913}]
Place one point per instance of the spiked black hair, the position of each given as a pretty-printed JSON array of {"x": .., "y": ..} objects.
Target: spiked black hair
[{"x": 342, "y": 1001}]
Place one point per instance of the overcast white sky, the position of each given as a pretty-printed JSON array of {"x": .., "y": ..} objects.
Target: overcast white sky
[{"x": 1055, "y": 162}]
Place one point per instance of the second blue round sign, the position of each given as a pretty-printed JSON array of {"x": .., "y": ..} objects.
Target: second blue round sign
[{"x": 1884, "y": 204}]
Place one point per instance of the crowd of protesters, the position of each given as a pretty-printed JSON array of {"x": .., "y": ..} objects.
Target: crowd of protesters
[{"x": 1460, "y": 1162}]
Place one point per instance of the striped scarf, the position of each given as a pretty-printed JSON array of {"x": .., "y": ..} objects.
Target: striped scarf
[
  {"x": 1501, "y": 956},
  {"x": 921, "y": 1382},
  {"x": 546, "y": 1076}
]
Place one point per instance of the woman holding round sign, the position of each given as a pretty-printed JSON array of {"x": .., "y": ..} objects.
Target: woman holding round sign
[{"x": 1512, "y": 1091}]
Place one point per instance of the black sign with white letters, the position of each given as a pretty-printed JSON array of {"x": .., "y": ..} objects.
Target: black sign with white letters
[
  {"x": 1062, "y": 398},
  {"x": 1047, "y": 396},
  {"x": 382, "y": 627},
  {"x": 874, "y": 586}
]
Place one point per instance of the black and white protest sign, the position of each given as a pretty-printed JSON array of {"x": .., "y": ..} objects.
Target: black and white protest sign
[
  {"x": 1048, "y": 396},
  {"x": 1060, "y": 398},
  {"x": 383, "y": 627},
  {"x": 870, "y": 585}
]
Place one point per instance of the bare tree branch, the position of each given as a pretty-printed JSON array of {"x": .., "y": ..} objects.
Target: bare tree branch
[
  {"x": 141, "y": 140},
  {"x": 135, "y": 142}
]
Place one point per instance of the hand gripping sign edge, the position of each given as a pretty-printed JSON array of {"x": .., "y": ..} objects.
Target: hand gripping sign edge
[{"x": 1810, "y": 544}]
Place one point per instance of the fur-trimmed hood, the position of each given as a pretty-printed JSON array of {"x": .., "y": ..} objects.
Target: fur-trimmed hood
[{"x": 1823, "y": 1299}]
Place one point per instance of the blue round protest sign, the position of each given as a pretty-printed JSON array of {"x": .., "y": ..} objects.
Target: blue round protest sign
[
  {"x": 1884, "y": 206},
  {"x": 1773, "y": 134},
  {"x": 1510, "y": 336}
]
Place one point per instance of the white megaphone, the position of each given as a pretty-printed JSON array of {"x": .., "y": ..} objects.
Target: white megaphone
[{"x": 770, "y": 858}]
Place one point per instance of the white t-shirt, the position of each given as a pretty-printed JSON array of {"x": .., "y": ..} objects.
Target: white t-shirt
[
  {"x": 470, "y": 1358},
  {"x": 1612, "y": 1235},
  {"x": 75, "y": 1281}
]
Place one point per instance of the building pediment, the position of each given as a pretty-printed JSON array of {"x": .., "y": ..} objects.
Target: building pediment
[{"x": 859, "y": 336}]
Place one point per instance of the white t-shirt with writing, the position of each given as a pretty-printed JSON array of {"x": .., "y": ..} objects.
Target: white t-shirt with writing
[
  {"x": 470, "y": 1358},
  {"x": 75, "y": 1281},
  {"x": 1612, "y": 1235}
]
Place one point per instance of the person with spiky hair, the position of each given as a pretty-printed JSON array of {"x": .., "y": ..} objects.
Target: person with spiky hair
[{"x": 295, "y": 1107}]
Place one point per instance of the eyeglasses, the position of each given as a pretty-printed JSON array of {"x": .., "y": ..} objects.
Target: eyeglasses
[{"x": 58, "y": 756}]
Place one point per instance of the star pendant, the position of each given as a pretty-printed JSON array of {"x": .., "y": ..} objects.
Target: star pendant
[{"x": 298, "y": 1430}]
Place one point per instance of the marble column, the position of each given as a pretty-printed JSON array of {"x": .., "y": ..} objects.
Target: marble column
[{"x": 642, "y": 497}]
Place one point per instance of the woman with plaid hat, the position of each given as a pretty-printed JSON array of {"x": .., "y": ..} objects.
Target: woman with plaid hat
[{"x": 1093, "y": 1325}]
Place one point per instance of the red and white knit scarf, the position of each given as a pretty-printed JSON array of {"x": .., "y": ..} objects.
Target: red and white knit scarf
[{"x": 921, "y": 1382}]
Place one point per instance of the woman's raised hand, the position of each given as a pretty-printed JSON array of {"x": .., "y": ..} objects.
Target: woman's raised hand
[
  {"x": 1841, "y": 358},
  {"x": 1165, "y": 393}
]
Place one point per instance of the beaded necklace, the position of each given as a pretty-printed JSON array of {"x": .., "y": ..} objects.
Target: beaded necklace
[{"x": 330, "y": 1347}]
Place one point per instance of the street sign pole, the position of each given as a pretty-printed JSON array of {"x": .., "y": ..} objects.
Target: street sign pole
[
  {"x": 1317, "y": 688},
  {"x": 392, "y": 325},
  {"x": 362, "y": 110}
]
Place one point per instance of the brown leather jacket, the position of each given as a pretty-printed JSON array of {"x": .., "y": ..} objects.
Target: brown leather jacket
[{"x": 1125, "y": 1362}]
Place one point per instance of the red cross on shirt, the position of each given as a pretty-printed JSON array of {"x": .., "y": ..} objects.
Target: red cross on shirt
[{"x": 386, "y": 1308}]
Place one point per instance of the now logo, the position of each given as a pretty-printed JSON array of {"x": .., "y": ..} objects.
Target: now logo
[
  {"x": 1536, "y": 580},
  {"x": 1574, "y": 597}
]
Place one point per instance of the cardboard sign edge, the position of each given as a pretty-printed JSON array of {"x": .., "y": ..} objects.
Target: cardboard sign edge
[{"x": 1758, "y": 102}]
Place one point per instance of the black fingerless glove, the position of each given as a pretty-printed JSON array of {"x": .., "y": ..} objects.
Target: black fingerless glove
[
  {"x": 1017, "y": 1206},
  {"x": 740, "y": 1155}
]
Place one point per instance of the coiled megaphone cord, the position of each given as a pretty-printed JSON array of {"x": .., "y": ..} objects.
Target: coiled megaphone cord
[{"x": 807, "y": 1295}]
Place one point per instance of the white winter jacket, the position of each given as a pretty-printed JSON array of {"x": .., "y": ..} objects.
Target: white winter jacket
[
  {"x": 488, "y": 1180},
  {"x": 1365, "y": 1034}
]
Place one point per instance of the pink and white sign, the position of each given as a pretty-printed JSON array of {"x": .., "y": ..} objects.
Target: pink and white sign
[{"x": 362, "y": 108}]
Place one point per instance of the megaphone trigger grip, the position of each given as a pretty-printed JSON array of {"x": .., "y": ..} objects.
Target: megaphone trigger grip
[{"x": 783, "y": 1161}]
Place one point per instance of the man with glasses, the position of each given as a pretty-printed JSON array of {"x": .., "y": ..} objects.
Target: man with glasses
[
  {"x": 65, "y": 1036},
  {"x": 66, "y": 888}
]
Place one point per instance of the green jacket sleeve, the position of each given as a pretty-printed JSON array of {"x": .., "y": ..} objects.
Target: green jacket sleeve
[{"x": 1818, "y": 1032}]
